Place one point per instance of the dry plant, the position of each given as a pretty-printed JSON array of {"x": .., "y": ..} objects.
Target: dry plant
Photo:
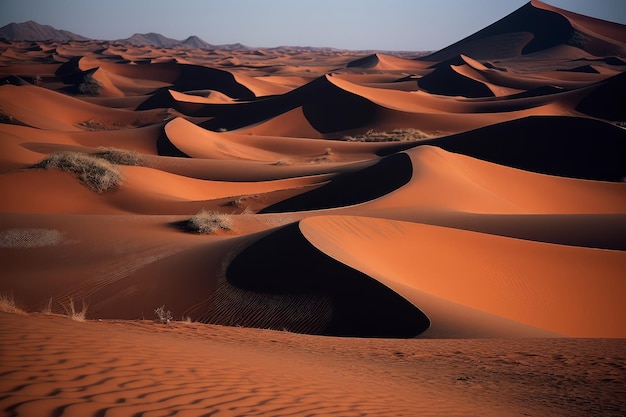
[
  {"x": 163, "y": 316},
  {"x": 89, "y": 86},
  {"x": 30, "y": 238},
  {"x": 47, "y": 308},
  {"x": 240, "y": 201},
  {"x": 72, "y": 313},
  {"x": 97, "y": 174},
  {"x": 94, "y": 125},
  {"x": 209, "y": 222},
  {"x": 120, "y": 156},
  {"x": 7, "y": 304},
  {"x": 396, "y": 135},
  {"x": 282, "y": 162}
]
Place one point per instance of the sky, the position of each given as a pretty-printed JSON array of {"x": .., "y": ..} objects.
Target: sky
[{"x": 409, "y": 25}]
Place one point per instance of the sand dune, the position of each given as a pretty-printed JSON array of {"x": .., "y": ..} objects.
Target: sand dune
[{"x": 477, "y": 192}]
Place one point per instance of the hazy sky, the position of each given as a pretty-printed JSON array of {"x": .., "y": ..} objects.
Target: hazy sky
[{"x": 352, "y": 24}]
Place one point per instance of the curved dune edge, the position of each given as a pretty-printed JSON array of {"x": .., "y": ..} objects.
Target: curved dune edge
[
  {"x": 557, "y": 145},
  {"x": 45, "y": 109},
  {"x": 532, "y": 283},
  {"x": 433, "y": 179},
  {"x": 281, "y": 281}
]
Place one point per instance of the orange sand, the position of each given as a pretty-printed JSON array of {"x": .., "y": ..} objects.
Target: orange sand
[{"x": 492, "y": 204}]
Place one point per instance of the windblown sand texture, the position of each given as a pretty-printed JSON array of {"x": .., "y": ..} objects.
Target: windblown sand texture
[{"x": 476, "y": 192}]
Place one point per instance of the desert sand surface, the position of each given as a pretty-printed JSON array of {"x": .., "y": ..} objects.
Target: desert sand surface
[{"x": 391, "y": 234}]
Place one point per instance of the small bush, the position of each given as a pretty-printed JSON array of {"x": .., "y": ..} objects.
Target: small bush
[
  {"x": 396, "y": 135},
  {"x": 163, "y": 316},
  {"x": 282, "y": 162},
  {"x": 210, "y": 222},
  {"x": 120, "y": 156},
  {"x": 97, "y": 174},
  {"x": 30, "y": 238},
  {"x": 47, "y": 308},
  {"x": 89, "y": 86},
  {"x": 7, "y": 304},
  {"x": 72, "y": 313}
]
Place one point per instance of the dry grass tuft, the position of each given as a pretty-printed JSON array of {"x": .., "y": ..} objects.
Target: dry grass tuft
[
  {"x": 30, "y": 238},
  {"x": 89, "y": 85},
  {"x": 96, "y": 173},
  {"x": 396, "y": 135},
  {"x": 120, "y": 156},
  {"x": 282, "y": 162},
  {"x": 72, "y": 313},
  {"x": 163, "y": 316},
  {"x": 210, "y": 222},
  {"x": 7, "y": 304},
  {"x": 47, "y": 308}
]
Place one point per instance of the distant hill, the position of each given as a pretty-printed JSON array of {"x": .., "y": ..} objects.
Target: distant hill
[
  {"x": 33, "y": 31},
  {"x": 196, "y": 42},
  {"x": 152, "y": 39}
]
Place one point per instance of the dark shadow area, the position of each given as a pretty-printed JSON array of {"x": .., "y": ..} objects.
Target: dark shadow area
[
  {"x": 445, "y": 81},
  {"x": 166, "y": 148},
  {"x": 608, "y": 101},
  {"x": 548, "y": 29},
  {"x": 389, "y": 174},
  {"x": 572, "y": 147},
  {"x": 327, "y": 107},
  {"x": 285, "y": 263}
]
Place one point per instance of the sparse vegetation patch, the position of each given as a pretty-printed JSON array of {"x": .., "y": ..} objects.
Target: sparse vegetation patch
[
  {"x": 210, "y": 222},
  {"x": 30, "y": 238},
  {"x": 120, "y": 156},
  {"x": 396, "y": 135},
  {"x": 73, "y": 314},
  {"x": 163, "y": 316},
  {"x": 7, "y": 304},
  {"x": 96, "y": 173},
  {"x": 90, "y": 86}
]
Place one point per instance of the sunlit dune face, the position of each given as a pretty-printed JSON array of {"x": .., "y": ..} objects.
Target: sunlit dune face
[{"x": 258, "y": 231}]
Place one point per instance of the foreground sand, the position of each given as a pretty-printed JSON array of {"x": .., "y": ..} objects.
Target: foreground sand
[
  {"x": 55, "y": 366},
  {"x": 474, "y": 196}
]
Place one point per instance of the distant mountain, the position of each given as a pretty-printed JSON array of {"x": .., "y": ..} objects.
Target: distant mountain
[
  {"x": 152, "y": 39},
  {"x": 33, "y": 31},
  {"x": 196, "y": 42},
  {"x": 156, "y": 39}
]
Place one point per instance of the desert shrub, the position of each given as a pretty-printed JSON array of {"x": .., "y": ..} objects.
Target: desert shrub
[
  {"x": 97, "y": 174},
  {"x": 577, "y": 39},
  {"x": 30, "y": 238},
  {"x": 241, "y": 201},
  {"x": 94, "y": 125},
  {"x": 163, "y": 316},
  {"x": 120, "y": 156},
  {"x": 47, "y": 307},
  {"x": 89, "y": 86},
  {"x": 396, "y": 135},
  {"x": 7, "y": 304},
  {"x": 282, "y": 162},
  {"x": 72, "y": 313},
  {"x": 210, "y": 222}
]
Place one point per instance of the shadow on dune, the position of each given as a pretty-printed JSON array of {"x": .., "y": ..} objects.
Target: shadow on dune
[
  {"x": 445, "y": 81},
  {"x": 193, "y": 77},
  {"x": 165, "y": 147},
  {"x": 607, "y": 101},
  {"x": 555, "y": 145},
  {"x": 548, "y": 29},
  {"x": 327, "y": 107},
  {"x": 284, "y": 265},
  {"x": 389, "y": 174}
]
